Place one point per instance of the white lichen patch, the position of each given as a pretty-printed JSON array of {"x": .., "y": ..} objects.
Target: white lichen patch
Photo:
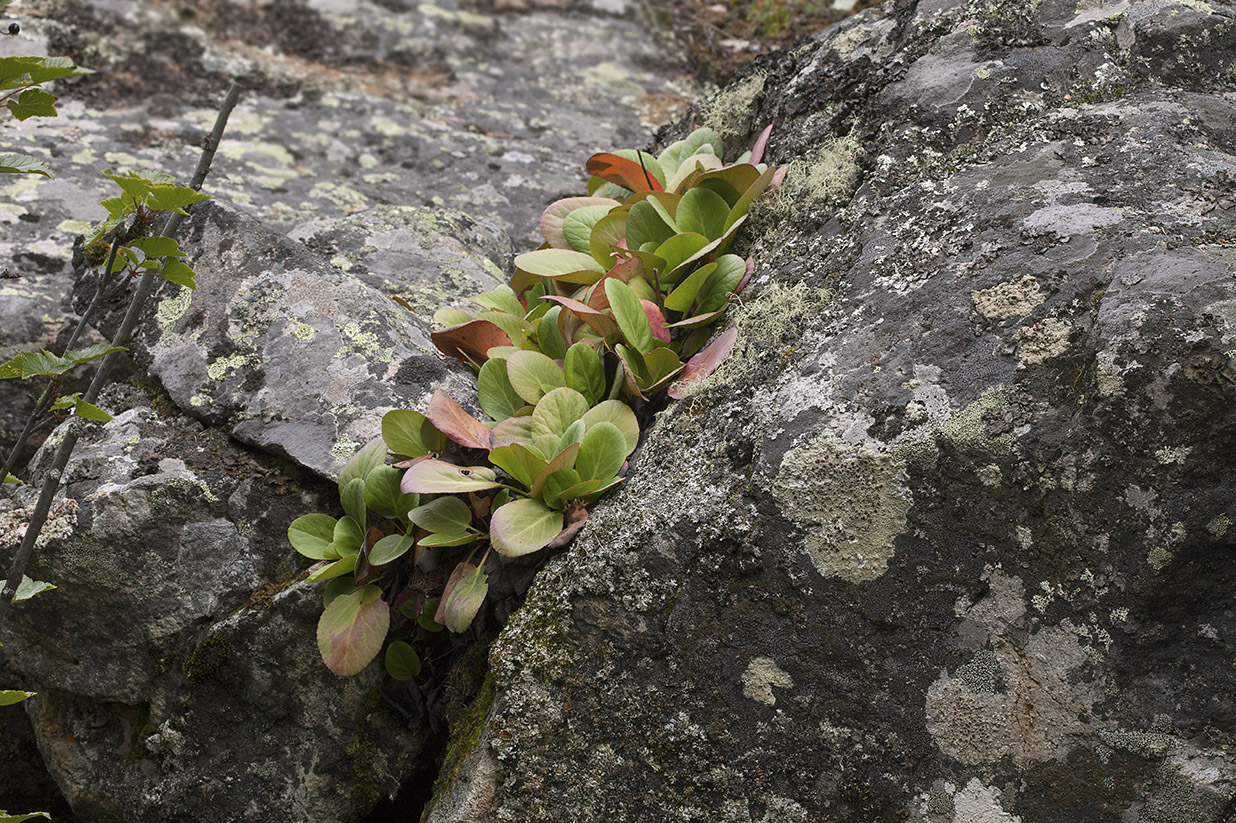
[
  {"x": 1168, "y": 456},
  {"x": 977, "y": 803},
  {"x": 1219, "y": 525},
  {"x": 1045, "y": 339},
  {"x": 760, "y": 677},
  {"x": 1041, "y": 702},
  {"x": 852, "y": 500},
  {"x": 1009, "y": 300},
  {"x": 61, "y": 521}
]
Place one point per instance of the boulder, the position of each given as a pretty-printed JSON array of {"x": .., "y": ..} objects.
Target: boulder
[
  {"x": 176, "y": 660},
  {"x": 949, "y": 537}
]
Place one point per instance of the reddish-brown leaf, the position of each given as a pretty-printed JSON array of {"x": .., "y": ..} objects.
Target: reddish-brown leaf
[
  {"x": 470, "y": 341},
  {"x": 704, "y": 363},
  {"x": 457, "y": 424},
  {"x": 761, "y": 142},
  {"x": 614, "y": 169},
  {"x": 576, "y": 517},
  {"x": 657, "y": 320},
  {"x": 746, "y": 277},
  {"x": 458, "y": 574},
  {"x": 624, "y": 271},
  {"x": 598, "y": 321}
]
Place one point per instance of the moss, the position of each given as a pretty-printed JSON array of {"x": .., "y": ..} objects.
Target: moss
[
  {"x": 465, "y": 734},
  {"x": 208, "y": 657},
  {"x": 369, "y": 763}
]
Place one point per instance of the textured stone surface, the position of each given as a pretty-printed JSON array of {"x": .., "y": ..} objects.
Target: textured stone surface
[
  {"x": 949, "y": 537},
  {"x": 176, "y": 662}
]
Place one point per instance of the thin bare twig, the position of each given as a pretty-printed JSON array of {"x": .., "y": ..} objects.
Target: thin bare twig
[{"x": 137, "y": 305}]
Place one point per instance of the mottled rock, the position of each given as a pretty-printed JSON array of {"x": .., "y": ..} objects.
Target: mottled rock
[
  {"x": 297, "y": 356},
  {"x": 176, "y": 662},
  {"x": 948, "y": 538}
]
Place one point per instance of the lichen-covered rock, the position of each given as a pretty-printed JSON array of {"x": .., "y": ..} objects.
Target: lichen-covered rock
[
  {"x": 294, "y": 355},
  {"x": 176, "y": 662},
  {"x": 949, "y": 537}
]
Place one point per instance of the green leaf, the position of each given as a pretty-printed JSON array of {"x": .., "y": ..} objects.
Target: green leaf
[
  {"x": 497, "y": 397},
  {"x": 661, "y": 365},
  {"x": 389, "y": 548},
  {"x": 90, "y": 411},
  {"x": 157, "y": 247},
  {"x": 519, "y": 461},
  {"x": 677, "y": 250},
  {"x": 522, "y": 527},
  {"x": 8, "y": 478},
  {"x": 564, "y": 459},
  {"x": 46, "y": 364},
  {"x": 33, "y": 103},
  {"x": 312, "y": 534},
  {"x": 607, "y": 235},
  {"x": 352, "y": 496},
  {"x": 715, "y": 291},
  {"x": 629, "y": 313},
  {"x": 578, "y": 225},
  {"x": 703, "y": 211},
  {"x": 448, "y": 515},
  {"x": 425, "y": 618},
  {"x": 137, "y": 187},
  {"x": 372, "y": 455},
  {"x": 502, "y": 299},
  {"x": 451, "y": 317},
  {"x": 588, "y": 490},
  {"x": 342, "y": 566},
  {"x": 556, "y": 484},
  {"x": 513, "y": 430},
  {"x": 440, "y": 477},
  {"x": 700, "y": 140},
  {"x": 402, "y": 661},
  {"x": 465, "y": 600},
  {"x": 618, "y": 413},
  {"x": 584, "y": 372},
  {"x": 10, "y": 696},
  {"x": 574, "y": 434},
  {"x": 5, "y": 817},
  {"x": 14, "y": 163},
  {"x": 601, "y": 453},
  {"x": 446, "y": 540},
  {"x": 552, "y": 217},
  {"x": 174, "y": 198},
  {"x": 532, "y": 374},
  {"x": 549, "y": 336},
  {"x": 645, "y": 225},
  {"x": 382, "y": 491},
  {"x": 347, "y": 537},
  {"x": 556, "y": 411},
  {"x": 681, "y": 298},
  {"x": 748, "y": 197},
  {"x": 179, "y": 273},
  {"x": 28, "y": 588},
  {"x": 351, "y": 630},
  {"x": 46, "y": 69},
  {"x": 566, "y": 265},
  {"x": 402, "y": 430},
  {"x": 337, "y": 587}
]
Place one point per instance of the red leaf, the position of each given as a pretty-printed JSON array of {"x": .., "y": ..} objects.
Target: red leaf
[
  {"x": 471, "y": 341},
  {"x": 778, "y": 177},
  {"x": 706, "y": 362},
  {"x": 457, "y": 424},
  {"x": 624, "y": 271},
  {"x": 458, "y": 574},
  {"x": 656, "y": 319},
  {"x": 761, "y": 142},
  {"x": 598, "y": 321},
  {"x": 614, "y": 169}
]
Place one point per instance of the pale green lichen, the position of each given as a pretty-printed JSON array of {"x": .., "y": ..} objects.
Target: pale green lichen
[
  {"x": 303, "y": 331},
  {"x": 725, "y": 112},
  {"x": 852, "y": 501},
  {"x": 1159, "y": 558},
  {"x": 173, "y": 308},
  {"x": 761, "y": 674},
  {"x": 221, "y": 366},
  {"x": 1219, "y": 525},
  {"x": 1013, "y": 299},
  {"x": 827, "y": 176}
]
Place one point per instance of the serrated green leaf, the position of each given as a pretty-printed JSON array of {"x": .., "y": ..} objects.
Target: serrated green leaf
[
  {"x": 33, "y": 103},
  {"x": 174, "y": 271},
  {"x": 402, "y": 662},
  {"x": 90, "y": 411},
  {"x": 28, "y": 588},
  {"x": 174, "y": 198},
  {"x": 15, "y": 163},
  {"x": 312, "y": 534}
]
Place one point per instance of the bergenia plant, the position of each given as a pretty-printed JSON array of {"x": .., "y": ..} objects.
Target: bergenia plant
[{"x": 616, "y": 306}]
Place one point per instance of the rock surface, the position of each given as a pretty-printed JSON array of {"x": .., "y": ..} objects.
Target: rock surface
[
  {"x": 176, "y": 661},
  {"x": 949, "y": 537}
]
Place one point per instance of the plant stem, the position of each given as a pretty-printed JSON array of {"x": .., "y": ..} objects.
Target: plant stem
[
  {"x": 137, "y": 305},
  {"x": 50, "y": 393}
]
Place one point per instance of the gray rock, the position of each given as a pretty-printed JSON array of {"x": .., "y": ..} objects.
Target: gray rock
[
  {"x": 949, "y": 536},
  {"x": 293, "y": 355},
  {"x": 176, "y": 661}
]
